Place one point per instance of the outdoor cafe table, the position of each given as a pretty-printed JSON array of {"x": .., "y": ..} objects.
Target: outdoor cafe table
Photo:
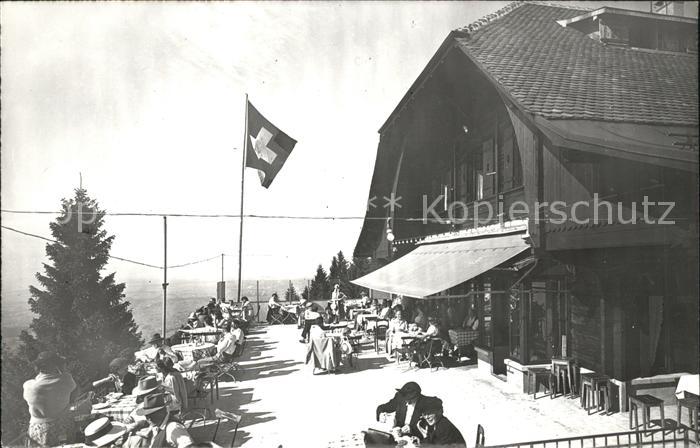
[
  {"x": 194, "y": 352},
  {"x": 210, "y": 334},
  {"x": 120, "y": 410},
  {"x": 688, "y": 384}
]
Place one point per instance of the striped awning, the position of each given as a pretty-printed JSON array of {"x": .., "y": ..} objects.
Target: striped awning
[{"x": 432, "y": 268}]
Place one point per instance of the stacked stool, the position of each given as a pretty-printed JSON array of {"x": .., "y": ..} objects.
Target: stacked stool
[
  {"x": 595, "y": 392},
  {"x": 563, "y": 370},
  {"x": 691, "y": 403},
  {"x": 645, "y": 402},
  {"x": 537, "y": 376}
]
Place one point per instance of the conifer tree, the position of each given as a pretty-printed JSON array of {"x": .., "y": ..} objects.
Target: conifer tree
[
  {"x": 80, "y": 313},
  {"x": 320, "y": 287},
  {"x": 291, "y": 294}
]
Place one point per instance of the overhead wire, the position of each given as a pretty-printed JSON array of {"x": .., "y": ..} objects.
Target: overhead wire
[{"x": 127, "y": 260}]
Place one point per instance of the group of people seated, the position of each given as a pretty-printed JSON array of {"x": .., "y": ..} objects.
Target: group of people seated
[
  {"x": 416, "y": 417},
  {"x": 53, "y": 391},
  {"x": 217, "y": 313},
  {"x": 50, "y": 394}
]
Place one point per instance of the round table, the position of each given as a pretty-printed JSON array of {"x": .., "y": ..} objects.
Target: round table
[{"x": 194, "y": 352}]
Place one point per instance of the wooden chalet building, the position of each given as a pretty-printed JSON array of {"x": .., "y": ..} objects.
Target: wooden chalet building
[{"x": 538, "y": 104}]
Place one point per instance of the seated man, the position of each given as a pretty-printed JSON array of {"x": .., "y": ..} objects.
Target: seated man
[
  {"x": 435, "y": 429},
  {"x": 163, "y": 429},
  {"x": 408, "y": 406}
]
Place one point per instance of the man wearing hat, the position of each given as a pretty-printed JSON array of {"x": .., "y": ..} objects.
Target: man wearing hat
[
  {"x": 408, "y": 405},
  {"x": 160, "y": 349},
  {"x": 163, "y": 429},
  {"x": 435, "y": 428},
  {"x": 147, "y": 386},
  {"x": 103, "y": 432}
]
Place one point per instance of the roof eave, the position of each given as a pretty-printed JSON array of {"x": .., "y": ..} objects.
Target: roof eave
[
  {"x": 439, "y": 55},
  {"x": 626, "y": 12}
]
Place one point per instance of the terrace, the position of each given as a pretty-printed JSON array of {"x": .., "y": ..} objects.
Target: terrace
[{"x": 284, "y": 404}]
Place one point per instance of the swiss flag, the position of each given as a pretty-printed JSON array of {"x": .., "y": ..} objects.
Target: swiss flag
[{"x": 268, "y": 146}]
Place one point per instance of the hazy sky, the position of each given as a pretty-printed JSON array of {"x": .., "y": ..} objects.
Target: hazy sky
[{"x": 146, "y": 100}]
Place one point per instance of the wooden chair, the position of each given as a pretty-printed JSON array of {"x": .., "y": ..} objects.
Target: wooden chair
[
  {"x": 380, "y": 333},
  {"x": 429, "y": 353},
  {"x": 219, "y": 416}
]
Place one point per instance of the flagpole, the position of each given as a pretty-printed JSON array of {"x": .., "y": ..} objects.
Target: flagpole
[{"x": 243, "y": 160}]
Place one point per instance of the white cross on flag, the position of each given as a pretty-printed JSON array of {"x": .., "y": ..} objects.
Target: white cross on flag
[{"x": 268, "y": 146}]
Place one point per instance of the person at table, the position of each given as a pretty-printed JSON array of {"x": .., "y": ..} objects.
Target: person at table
[
  {"x": 48, "y": 396},
  {"x": 365, "y": 301},
  {"x": 385, "y": 312},
  {"x": 273, "y": 307},
  {"x": 225, "y": 348},
  {"x": 203, "y": 320},
  {"x": 436, "y": 429},
  {"x": 174, "y": 383},
  {"x": 238, "y": 335},
  {"x": 374, "y": 307},
  {"x": 120, "y": 379},
  {"x": 158, "y": 349},
  {"x": 398, "y": 323},
  {"x": 191, "y": 322},
  {"x": 408, "y": 404},
  {"x": 219, "y": 319},
  {"x": 104, "y": 432},
  {"x": 471, "y": 322},
  {"x": 163, "y": 429}
]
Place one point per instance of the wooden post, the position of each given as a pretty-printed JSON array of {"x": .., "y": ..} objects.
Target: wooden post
[
  {"x": 257, "y": 299},
  {"x": 165, "y": 272}
]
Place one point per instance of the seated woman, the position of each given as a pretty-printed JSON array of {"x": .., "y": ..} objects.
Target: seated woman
[
  {"x": 385, "y": 312},
  {"x": 433, "y": 330},
  {"x": 119, "y": 379},
  {"x": 48, "y": 396},
  {"x": 397, "y": 325},
  {"x": 239, "y": 336},
  {"x": 174, "y": 383},
  {"x": 225, "y": 348}
]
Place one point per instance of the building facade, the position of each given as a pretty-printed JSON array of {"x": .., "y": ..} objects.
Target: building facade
[{"x": 545, "y": 171}]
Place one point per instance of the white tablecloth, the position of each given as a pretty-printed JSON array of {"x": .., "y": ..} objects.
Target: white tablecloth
[{"x": 688, "y": 383}]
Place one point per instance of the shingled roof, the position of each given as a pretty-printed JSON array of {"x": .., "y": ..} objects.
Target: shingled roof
[{"x": 559, "y": 73}]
